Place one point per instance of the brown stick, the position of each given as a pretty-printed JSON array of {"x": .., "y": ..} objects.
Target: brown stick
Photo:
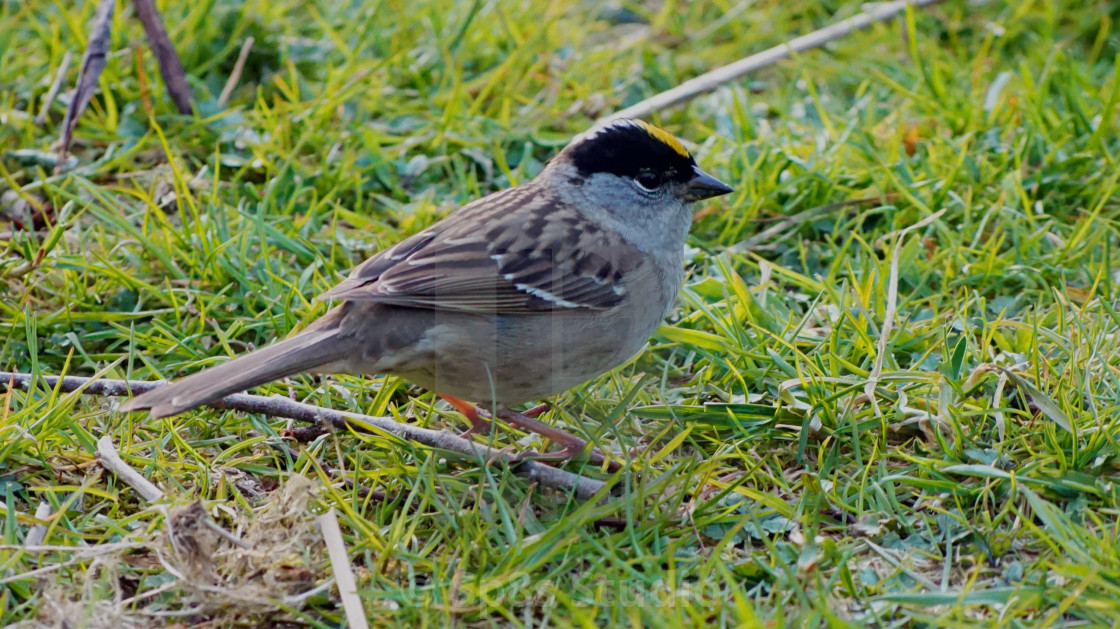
[
  {"x": 235, "y": 76},
  {"x": 169, "y": 65},
  {"x": 546, "y": 476},
  {"x": 93, "y": 62},
  {"x": 709, "y": 81}
]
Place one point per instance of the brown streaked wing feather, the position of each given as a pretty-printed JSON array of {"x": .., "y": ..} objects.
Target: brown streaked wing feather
[
  {"x": 525, "y": 257},
  {"x": 371, "y": 269}
]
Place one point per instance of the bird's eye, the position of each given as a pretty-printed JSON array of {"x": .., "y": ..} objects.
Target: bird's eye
[{"x": 648, "y": 180}]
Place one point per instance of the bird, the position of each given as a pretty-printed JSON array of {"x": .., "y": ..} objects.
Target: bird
[{"x": 513, "y": 298}]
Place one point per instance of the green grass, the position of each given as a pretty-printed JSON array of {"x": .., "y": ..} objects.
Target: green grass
[{"x": 979, "y": 483}]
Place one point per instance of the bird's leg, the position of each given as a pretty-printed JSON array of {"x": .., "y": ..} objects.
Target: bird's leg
[
  {"x": 536, "y": 411},
  {"x": 471, "y": 412},
  {"x": 573, "y": 445}
]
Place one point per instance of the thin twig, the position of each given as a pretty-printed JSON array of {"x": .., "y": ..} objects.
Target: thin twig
[
  {"x": 111, "y": 460},
  {"x": 169, "y": 65},
  {"x": 720, "y": 76},
  {"x": 59, "y": 77},
  {"x": 93, "y": 62},
  {"x": 343, "y": 573},
  {"x": 546, "y": 476},
  {"x": 81, "y": 553},
  {"x": 85, "y": 551},
  {"x": 235, "y": 76}
]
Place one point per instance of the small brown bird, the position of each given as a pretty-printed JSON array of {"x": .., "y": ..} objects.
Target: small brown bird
[{"x": 515, "y": 297}]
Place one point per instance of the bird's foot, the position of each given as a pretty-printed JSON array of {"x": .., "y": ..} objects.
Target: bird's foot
[
  {"x": 536, "y": 411},
  {"x": 573, "y": 445},
  {"x": 479, "y": 426}
]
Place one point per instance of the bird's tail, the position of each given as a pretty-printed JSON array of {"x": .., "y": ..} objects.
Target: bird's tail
[{"x": 304, "y": 352}]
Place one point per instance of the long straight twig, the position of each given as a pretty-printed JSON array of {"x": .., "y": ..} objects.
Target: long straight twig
[
  {"x": 546, "y": 476},
  {"x": 709, "y": 81}
]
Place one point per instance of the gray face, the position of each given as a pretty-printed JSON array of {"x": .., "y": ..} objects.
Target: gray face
[
  {"x": 655, "y": 222},
  {"x": 635, "y": 179}
]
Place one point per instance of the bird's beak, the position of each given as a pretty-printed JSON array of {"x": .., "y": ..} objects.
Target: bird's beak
[{"x": 704, "y": 186}]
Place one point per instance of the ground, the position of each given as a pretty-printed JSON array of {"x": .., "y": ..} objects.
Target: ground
[{"x": 842, "y": 422}]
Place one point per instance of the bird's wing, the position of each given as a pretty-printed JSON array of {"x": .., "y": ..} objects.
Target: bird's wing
[{"x": 511, "y": 252}]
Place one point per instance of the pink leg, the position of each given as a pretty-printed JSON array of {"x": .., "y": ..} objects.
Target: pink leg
[
  {"x": 536, "y": 411},
  {"x": 470, "y": 411},
  {"x": 573, "y": 445}
]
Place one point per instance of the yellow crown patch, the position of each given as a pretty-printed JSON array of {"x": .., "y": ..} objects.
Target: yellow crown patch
[{"x": 664, "y": 137}]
